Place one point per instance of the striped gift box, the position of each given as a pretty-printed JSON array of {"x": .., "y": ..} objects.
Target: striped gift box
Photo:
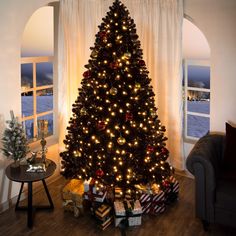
[{"x": 172, "y": 192}]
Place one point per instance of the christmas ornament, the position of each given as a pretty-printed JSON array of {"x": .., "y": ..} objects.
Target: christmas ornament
[
  {"x": 94, "y": 53},
  {"x": 127, "y": 55},
  {"x": 164, "y": 150},
  {"x": 137, "y": 86},
  {"x": 77, "y": 153},
  {"x": 101, "y": 125},
  {"x": 121, "y": 140},
  {"x": 114, "y": 65},
  {"x": 129, "y": 116},
  {"x": 99, "y": 173},
  {"x": 141, "y": 63},
  {"x": 150, "y": 148},
  {"x": 83, "y": 111},
  {"x": 102, "y": 34},
  {"x": 87, "y": 73},
  {"x": 113, "y": 91},
  {"x": 153, "y": 114}
]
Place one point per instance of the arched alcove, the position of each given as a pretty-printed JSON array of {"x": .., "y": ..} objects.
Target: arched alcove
[{"x": 196, "y": 84}]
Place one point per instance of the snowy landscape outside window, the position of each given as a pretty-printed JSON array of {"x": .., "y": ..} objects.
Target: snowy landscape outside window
[
  {"x": 36, "y": 94},
  {"x": 196, "y": 85}
]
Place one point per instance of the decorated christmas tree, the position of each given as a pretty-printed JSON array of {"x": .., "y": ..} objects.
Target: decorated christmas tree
[{"x": 114, "y": 135}]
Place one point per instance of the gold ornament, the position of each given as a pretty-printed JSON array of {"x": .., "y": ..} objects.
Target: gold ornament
[
  {"x": 137, "y": 86},
  {"x": 77, "y": 153},
  {"x": 94, "y": 53},
  {"x": 113, "y": 91},
  {"x": 153, "y": 114},
  {"x": 83, "y": 111},
  {"x": 127, "y": 55},
  {"x": 121, "y": 140}
]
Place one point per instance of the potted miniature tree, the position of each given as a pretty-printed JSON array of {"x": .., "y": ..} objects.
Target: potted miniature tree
[{"x": 14, "y": 141}]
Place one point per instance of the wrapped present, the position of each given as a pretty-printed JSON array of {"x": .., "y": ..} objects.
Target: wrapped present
[
  {"x": 152, "y": 199},
  {"x": 104, "y": 216},
  {"x": 130, "y": 211},
  {"x": 98, "y": 197},
  {"x": 74, "y": 191},
  {"x": 172, "y": 191},
  {"x": 118, "y": 193},
  {"x": 71, "y": 206}
]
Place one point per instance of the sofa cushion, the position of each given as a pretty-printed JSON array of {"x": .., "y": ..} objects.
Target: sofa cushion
[
  {"x": 230, "y": 148},
  {"x": 226, "y": 192}
]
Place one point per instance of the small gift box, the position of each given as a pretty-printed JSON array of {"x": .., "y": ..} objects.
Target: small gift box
[
  {"x": 92, "y": 193},
  {"x": 104, "y": 216},
  {"x": 118, "y": 193},
  {"x": 74, "y": 191},
  {"x": 130, "y": 211},
  {"x": 172, "y": 191},
  {"x": 72, "y": 196}
]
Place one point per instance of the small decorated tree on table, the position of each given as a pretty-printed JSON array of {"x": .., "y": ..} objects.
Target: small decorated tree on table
[
  {"x": 14, "y": 141},
  {"x": 115, "y": 135}
]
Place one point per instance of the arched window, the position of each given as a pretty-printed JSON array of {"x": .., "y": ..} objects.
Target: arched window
[
  {"x": 196, "y": 82},
  {"x": 37, "y": 74}
]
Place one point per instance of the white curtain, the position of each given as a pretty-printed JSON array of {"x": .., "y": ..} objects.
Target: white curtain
[{"x": 159, "y": 26}]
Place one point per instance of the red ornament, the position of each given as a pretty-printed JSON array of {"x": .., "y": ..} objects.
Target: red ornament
[
  {"x": 102, "y": 34},
  {"x": 99, "y": 173},
  {"x": 141, "y": 63},
  {"x": 128, "y": 116},
  {"x": 87, "y": 73},
  {"x": 150, "y": 148},
  {"x": 166, "y": 183},
  {"x": 114, "y": 65},
  {"x": 164, "y": 150},
  {"x": 101, "y": 125}
]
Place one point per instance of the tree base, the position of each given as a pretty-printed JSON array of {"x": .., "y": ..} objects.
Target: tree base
[{"x": 15, "y": 167}]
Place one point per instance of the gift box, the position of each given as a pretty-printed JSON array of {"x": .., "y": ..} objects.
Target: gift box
[
  {"x": 104, "y": 216},
  {"x": 72, "y": 197},
  {"x": 118, "y": 194},
  {"x": 92, "y": 193},
  {"x": 172, "y": 191},
  {"x": 152, "y": 199},
  {"x": 98, "y": 197},
  {"x": 128, "y": 211}
]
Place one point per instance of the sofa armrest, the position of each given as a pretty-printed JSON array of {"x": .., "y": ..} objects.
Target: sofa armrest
[{"x": 204, "y": 163}]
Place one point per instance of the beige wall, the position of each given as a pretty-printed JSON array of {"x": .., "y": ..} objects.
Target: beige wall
[
  {"x": 14, "y": 16},
  {"x": 216, "y": 19}
]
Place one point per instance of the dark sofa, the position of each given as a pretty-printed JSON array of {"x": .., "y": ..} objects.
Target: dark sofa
[{"x": 215, "y": 187}]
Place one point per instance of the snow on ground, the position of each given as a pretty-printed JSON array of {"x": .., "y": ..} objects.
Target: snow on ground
[{"x": 197, "y": 125}]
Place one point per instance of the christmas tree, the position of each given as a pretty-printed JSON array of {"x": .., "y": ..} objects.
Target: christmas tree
[{"x": 115, "y": 135}]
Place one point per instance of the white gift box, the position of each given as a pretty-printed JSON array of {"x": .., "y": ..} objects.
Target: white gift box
[{"x": 130, "y": 210}]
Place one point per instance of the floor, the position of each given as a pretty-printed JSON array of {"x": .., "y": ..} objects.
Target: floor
[{"x": 177, "y": 220}]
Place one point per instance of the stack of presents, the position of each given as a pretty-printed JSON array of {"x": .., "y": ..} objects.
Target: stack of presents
[{"x": 110, "y": 205}]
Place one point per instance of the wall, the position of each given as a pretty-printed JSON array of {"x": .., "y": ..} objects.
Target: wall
[
  {"x": 216, "y": 19},
  {"x": 14, "y": 16}
]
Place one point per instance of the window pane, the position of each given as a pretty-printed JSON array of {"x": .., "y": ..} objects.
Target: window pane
[
  {"x": 48, "y": 124},
  {"x": 44, "y": 74},
  {"x": 198, "y": 101},
  {"x": 197, "y": 126},
  {"x": 26, "y": 76},
  {"x": 199, "y": 76},
  {"x": 29, "y": 128},
  {"x": 27, "y": 104},
  {"x": 44, "y": 100}
]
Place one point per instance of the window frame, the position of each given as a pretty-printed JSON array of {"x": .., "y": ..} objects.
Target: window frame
[
  {"x": 34, "y": 61},
  {"x": 186, "y": 63}
]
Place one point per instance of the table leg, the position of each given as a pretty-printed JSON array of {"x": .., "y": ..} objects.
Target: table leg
[
  {"x": 18, "y": 199},
  {"x": 30, "y": 205},
  {"x": 48, "y": 194}
]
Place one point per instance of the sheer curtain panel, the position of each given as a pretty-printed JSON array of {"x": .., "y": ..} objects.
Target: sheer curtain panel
[{"x": 159, "y": 26}]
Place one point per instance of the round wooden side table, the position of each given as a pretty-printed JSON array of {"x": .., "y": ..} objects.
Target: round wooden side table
[{"x": 22, "y": 177}]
